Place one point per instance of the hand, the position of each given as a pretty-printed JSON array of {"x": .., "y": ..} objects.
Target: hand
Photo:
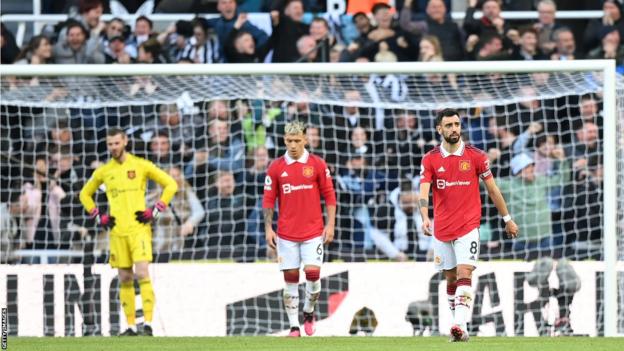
[
  {"x": 186, "y": 229},
  {"x": 511, "y": 228},
  {"x": 103, "y": 220},
  {"x": 472, "y": 3},
  {"x": 607, "y": 20},
  {"x": 275, "y": 17},
  {"x": 514, "y": 36},
  {"x": 426, "y": 226},
  {"x": 494, "y": 154},
  {"x": 471, "y": 42},
  {"x": 150, "y": 214},
  {"x": 534, "y": 128},
  {"x": 580, "y": 163},
  {"x": 271, "y": 238},
  {"x": 328, "y": 234},
  {"x": 408, "y": 3},
  {"x": 558, "y": 153},
  {"x": 242, "y": 18},
  {"x": 499, "y": 23}
]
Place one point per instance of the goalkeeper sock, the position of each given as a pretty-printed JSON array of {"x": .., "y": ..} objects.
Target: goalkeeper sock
[
  {"x": 126, "y": 295},
  {"x": 463, "y": 302},
  {"x": 147, "y": 297},
  {"x": 313, "y": 290},
  {"x": 291, "y": 303},
  {"x": 450, "y": 294}
]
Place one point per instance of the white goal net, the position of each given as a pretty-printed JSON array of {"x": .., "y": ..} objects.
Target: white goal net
[{"x": 543, "y": 130}]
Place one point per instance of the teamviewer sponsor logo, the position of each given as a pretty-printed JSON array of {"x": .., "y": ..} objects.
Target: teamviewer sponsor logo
[
  {"x": 287, "y": 188},
  {"x": 443, "y": 184}
]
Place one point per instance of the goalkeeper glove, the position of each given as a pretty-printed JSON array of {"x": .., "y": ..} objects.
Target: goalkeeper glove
[
  {"x": 150, "y": 214},
  {"x": 103, "y": 220}
]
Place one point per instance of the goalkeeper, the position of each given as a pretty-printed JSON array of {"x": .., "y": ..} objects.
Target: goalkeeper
[{"x": 125, "y": 178}]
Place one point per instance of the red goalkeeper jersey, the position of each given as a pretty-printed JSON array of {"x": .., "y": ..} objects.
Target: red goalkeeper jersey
[
  {"x": 298, "y": 186},
  {"x": 454, "y": 179}
]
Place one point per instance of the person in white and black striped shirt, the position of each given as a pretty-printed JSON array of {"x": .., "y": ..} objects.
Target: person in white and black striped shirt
[{"x": 202, "y": 47}]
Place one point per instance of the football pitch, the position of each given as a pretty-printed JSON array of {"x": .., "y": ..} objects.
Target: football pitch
[{"x": 313, "y": 344}]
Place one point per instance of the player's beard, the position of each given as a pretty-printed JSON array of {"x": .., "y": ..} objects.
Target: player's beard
[
  {"x": 452, "y": 139},
  {"x": 119, "y": 155}
]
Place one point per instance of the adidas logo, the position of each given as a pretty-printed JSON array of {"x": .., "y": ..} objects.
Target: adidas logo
[
  {"x": 284, "y": 174},
  {"x": 441, "y": 169}
]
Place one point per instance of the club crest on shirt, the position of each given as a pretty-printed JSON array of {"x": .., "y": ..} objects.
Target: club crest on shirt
[
  {"x": 437, "y": 260},
  {"x": 464, "y": 165},
  {"x": 131, "y": 174},
  {"x": 308, "y": 171}
]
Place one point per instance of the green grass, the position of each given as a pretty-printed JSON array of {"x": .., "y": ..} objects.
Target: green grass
[{"x": 314, "y": 344}]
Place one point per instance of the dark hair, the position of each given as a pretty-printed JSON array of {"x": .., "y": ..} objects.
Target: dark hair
[
  {"x": 358, "y": 14},
  {"x": 527, "y": 29},
  {"x": 33, "y": 44},
  {"x": 322, "y": 20},
  {"x": 184, "y": 28},
  {"x": 114, "y": 131},
  {"x": 447, "y": 112},
  {"x": 87, "y": 5},
  {"x": 144, "y": 18},
  {"x": 380, "y": 6},
  {"x": 74, "y": 23},
  {"x": 151, "y": 46}
]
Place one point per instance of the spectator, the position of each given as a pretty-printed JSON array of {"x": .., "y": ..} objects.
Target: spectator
[
  {"x": 610, "y": 48},
  {"x": 226, "y": 220},
  {"x": 319, "y": 30},
  {"x": 308, "y": 52},
  {"x": 431, "y": 51},
  {"x": 161, "y": 152},
  {"x": 589, "y": 113},
  {"x": 38, "y": 51},
  {"x": 288, "y": 27},
  {"x": 40, "y": 209},
  {"x": 180, "y": 219},
  {"x": 363, "y": 26},
  {"x": 358, "y": 187},
  {"x": 114, "y": 28},
  {"x": 254, "y": 190},
  {"x": 90, "y": 12},
  {"x": 175, "y": 39},
  {"x": 240, "y": 45},
  {"x": 409, "y": 240},
  {"x": 150, "y": 52},
  {"x": 437, "y": 24},
  {"x": 340, "y": 125},
  {"x": 527, "y": 49},
  {"x": 500, "y": 149},
  {"x": 143, "y": 27},
  {"x": 565, "y": 45},
  {"x": 528, "y": 199},
  {"x": 8, "y": 46},
  {"x": 405, "y": 145},
  {"x": 202, "y": 47},
  {"x": 225, "y": 152},
  {"x": 321, "y": 147},
  {"x": 223, "y": 25},
  {"x": 117, "y": 52},
  {"x": 612, "y": 18},
  {"x": 585, "y": 146},
  {"x": 583, "y": 212},
  {"x": 492, "y": 23},
  {"x": 490, "y": 48},
  {"x": 394, "y": 37},
  {"x": 546, "y": 26},
  {"x": 78, "y": 48}
]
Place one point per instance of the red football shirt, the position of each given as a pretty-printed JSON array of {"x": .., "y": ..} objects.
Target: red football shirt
[
  {"x": 298, "y": 185},
  {"x": 454, "y": 179}
]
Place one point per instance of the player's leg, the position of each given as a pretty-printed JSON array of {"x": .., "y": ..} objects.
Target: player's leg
[
  {"x": 289, "y": 262},
  {"x": 466, "y": 253},
  {"x": 120, "y": 258},
  {"x": 142, "y": 256},
  {"x": 444, "y": 260},
  {"x": 312, "y": 257}
]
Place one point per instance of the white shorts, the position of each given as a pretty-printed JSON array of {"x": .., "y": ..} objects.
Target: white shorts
[
  {"x": 290, "y": 254},
  {"x": 464, "y": 250}
]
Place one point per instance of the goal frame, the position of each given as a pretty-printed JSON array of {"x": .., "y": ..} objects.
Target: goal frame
[{"x": 607, "y": 67}]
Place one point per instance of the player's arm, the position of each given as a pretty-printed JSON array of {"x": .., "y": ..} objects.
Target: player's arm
[
  {"x": 426, "y": 177},
  {"x": 86, "y": 198},
  {"x": 268, "y": 206},
  {"x": 326, "y": 187},
  {"x": 423, "y": 201},
  {"x": 169, "y": 189},
  {"x": 497, "y": 198}
]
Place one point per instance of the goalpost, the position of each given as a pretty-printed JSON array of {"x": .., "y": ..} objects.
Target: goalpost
[{"x": 136, "y": 97}]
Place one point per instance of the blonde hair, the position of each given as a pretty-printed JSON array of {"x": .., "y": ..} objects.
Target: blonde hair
[{"x": 295, "y": 127}]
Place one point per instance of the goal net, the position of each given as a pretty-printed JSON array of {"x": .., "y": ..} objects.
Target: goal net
[{"x": 545, "y": 131}]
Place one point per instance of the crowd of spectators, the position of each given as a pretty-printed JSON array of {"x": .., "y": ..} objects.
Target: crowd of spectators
[{"x": 546, "y": 153}]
